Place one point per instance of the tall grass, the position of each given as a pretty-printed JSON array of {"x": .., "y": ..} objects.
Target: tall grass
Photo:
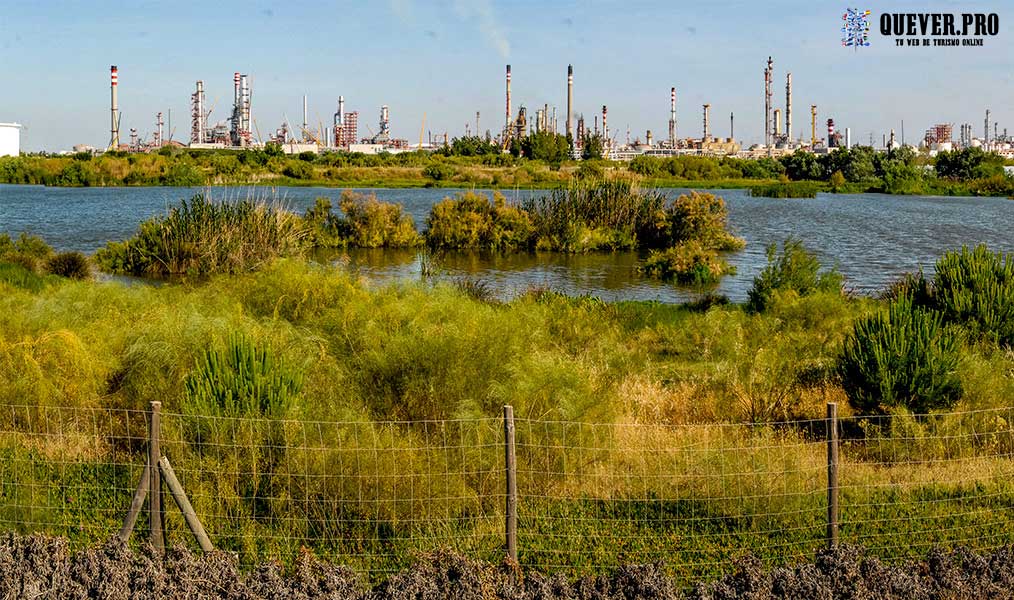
[
  {"x": 624, "y": 410},
  {"x": 201, "y": 236}
]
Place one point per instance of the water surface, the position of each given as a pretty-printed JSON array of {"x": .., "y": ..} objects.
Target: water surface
[{"x": 872, "y": 238}]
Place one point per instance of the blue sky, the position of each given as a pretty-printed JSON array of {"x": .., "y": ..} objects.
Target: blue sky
[{"x": 446, "y": 59}]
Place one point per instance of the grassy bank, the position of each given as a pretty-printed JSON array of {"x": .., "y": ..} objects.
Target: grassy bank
[
  {"x": 380, "y": 436},
  {"x": 860, "y": 169}
]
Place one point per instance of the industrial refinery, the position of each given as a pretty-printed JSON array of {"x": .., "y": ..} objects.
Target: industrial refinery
[{"x": 238, "y": 129}]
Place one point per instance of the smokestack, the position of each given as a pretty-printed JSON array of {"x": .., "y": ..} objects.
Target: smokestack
[
  {"x": 672, "y": 117},
  {"x": 778, "y": 124},
  {"x": 830, "y": 132},
  {"x": 605, "y": 132},
  {"x": 647, "y": 137},
  {"x": 158, "y": 130},
  {"x": 732, "y": 128},
  {"x": 813, "y": 125},
  {"x": 570, "y": 99},
  {"x": 305, "y": 124},
  {"x": 114, "y": 108},
  {"x": 788, "y": 108},
  {"x": 767, "y": 102},
  {"x": 507, "y": 121},
  {"x": 985, "y": 136},
  {"x": 848, "y": 138},
  {"x": 707, "y": 130}
]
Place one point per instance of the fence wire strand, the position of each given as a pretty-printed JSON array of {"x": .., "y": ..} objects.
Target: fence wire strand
[{"x": 591, "y": 496}]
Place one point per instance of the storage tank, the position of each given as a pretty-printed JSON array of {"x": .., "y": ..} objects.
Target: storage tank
[{"x": 10, "y": 139}]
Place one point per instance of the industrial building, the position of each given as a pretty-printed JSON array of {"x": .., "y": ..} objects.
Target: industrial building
[
  {"x": 10, "y": 139},
  {"x": 240, "y": 130}
]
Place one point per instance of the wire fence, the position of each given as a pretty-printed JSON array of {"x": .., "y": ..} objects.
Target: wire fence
[{"x": 590, "y": 496}]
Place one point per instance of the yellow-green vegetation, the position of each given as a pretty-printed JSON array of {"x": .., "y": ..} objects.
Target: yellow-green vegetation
[
  {"x": 474, "y": 161},
  {"x": 202, "y": 237},
  {"x": 366, "y": 223},
  {"x": 688, "y": 263},
  {"x": 362, "y": 421},
  {"x": 29, "y": 259}
]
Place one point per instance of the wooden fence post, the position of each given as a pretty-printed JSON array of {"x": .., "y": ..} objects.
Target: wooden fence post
[
  {"x": 135, "y": 504},
  {"x": 511, "y": 465},
  {"x": 832, "y": 474},
  {"x": 155, "y": 479},
  {"x": 180, "y": 496}
]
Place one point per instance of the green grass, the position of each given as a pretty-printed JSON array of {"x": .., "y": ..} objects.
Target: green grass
[{"x": 640, "y": 468}]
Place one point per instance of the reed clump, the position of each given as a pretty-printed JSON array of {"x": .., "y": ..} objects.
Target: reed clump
[{"x": 200, "y": 237}]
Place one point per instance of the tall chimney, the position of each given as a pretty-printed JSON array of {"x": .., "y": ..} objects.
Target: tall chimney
[
  {"x": 507, "y": 121},
  {"x": 570, "y": 100},
  {"x": 778, "y": 124},
  {"x": 158, "y": 130},
  {"x": 732, "y": 127},
  {"x": 707, "y": 131},
  {"x": 647, "y": 137},
  {"x": 767, "y": 102},
  {"x": 114, "y": 127},
  {"x": 788, "y": 108},
  {"x": 813, "y": 125},
  {"x": 605, "y": 132},
  {"x": 305, "y": 124},
  {"x": 985, "y": 136},
  {"x": 672, "y": 118}
]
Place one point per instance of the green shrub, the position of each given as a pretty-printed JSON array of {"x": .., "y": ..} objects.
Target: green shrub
[
  {"x": 975, "y": 288},
  {"x": 472, "y": 220},
  {"x": 244, "y": 380},
  {"x": 297, "y": 169},
  {"x": 370, "y": 223},
  {"x": 28, "y": 251},
  {"x": 702, "y": 217},
  {"x": 689, "y": 263},
  {"x": 438, "y": 172},
  {"x": 201, "y": 237},
  {"x": 903, "y": 358},
  {"x": 793, "y": 269},
  {"x": 69, "y": 264}
]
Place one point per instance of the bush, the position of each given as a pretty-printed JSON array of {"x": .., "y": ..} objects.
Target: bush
[
  {"x": 28, "y": 251},
  {"x": 201, "y": 237},
  {"x": 244, "y": 380},
  {"x": 702, "y": 217},
  {"x": 69, "y": 264},
  {"x": 298, "y": 170},
  {"x": 370, "y": 223},
  {"x": 903, "y": 358},
  {"x": 689, "y": 263},
  {"x": 793, "y": 269},
  {"x": 471, "y": 220},
  {"x": 975, "y": 288}
]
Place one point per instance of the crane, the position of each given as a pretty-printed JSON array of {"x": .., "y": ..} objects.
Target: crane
[{"x": 421, "y": 129}]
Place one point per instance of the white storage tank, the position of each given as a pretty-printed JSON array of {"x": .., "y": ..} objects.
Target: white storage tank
[{"x": 10, "y": 139}]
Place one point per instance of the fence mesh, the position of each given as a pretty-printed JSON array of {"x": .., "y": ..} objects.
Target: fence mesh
[{"x": 590, "y": 496}]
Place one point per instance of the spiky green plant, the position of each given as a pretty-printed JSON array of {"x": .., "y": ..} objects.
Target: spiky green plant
[
  {"x": 244, "y": 380},
  {"x": 975, "y": 288},
  {"x": 905, "y": 357}
]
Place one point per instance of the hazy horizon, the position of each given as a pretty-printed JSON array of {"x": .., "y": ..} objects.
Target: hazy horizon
[{"x": 445, "y": 60}]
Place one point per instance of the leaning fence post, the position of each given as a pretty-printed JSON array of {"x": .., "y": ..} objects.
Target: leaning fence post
[
  {"x": 511, "y": 465},
  {"x": 155, "y": 479},
  {"x": 180, "y": 496},
  {"x": 135, "y": 504},
  {"x": 832, "y": 474}
]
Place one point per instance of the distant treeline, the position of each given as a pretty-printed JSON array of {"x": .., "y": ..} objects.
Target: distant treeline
[{"x": 542, "y": 160}]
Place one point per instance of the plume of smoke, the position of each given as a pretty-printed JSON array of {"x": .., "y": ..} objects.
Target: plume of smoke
[{"x": 481, "y": 11}]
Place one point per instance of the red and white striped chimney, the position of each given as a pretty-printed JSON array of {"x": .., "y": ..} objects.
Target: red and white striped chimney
[{"x": 114, "y": 127}]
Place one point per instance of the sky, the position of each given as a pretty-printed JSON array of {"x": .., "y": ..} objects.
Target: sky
[{"x": 435, "y": 63}]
